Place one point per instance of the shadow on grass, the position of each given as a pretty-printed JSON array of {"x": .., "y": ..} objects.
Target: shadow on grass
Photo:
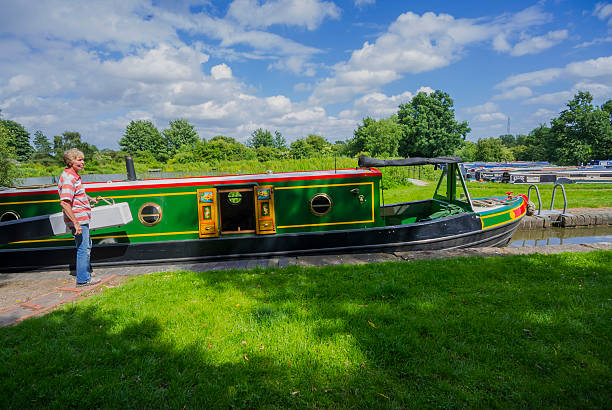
[
  {"x": 512, "y": 331},
  {"x": 74, "y": 359}
]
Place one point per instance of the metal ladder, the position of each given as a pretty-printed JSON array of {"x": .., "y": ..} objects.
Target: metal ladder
[{"x": 550, "y": 212}]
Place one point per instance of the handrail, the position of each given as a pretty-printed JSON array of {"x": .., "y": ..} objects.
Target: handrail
[
  {"x": 539, "y": 197},
  {"x": 552, "y": 201},
  {"x": 106, "y": 200}
]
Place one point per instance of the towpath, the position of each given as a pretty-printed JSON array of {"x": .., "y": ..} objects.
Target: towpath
[{"x": 28, "y": 294}]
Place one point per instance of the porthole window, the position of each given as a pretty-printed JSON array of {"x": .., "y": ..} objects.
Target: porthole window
[
  {"x": 150, "y": 214},
  {"x": 320, "y": 204},
  {"x": 9, "y": 216},
  {"x": 234, "y": 197}
]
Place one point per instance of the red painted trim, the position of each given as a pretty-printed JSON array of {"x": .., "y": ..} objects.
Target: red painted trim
[
  {"x": 235, "y": 182},
  {"x": 249, "y": 175},
  {"x": 28, "y": 193},
  {"x": 366, "y": 173}
]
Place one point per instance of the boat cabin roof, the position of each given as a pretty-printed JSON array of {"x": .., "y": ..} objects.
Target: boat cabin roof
[{"x": 204, "y": 180}]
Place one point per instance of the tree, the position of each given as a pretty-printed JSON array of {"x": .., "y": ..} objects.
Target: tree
[
  {"x": 378, "y": 138},
  {"x": 310, "y": 146},
  {"x": 222, "y": 148},
  {"x": 143, "y": 136},
  {"x": 279, "y": 141},
  {"x": 18, "y": 139},
  {"x": 467, "y": 152},
  {"x": 41, "y": 143},
  {"x": 492, "y": 149},
  {"x": 533, "y": 147},
  {"x": 180, "y": 133},
  {"x": 581, "y": 132},
  {"x": 72, "y": 139},
  {"x": 146, "y": 158},
  {"x": 602, "y": 146},
  {"x": 508, "y": 140},
  {"x": 229, "y": 140},
  {"x": 319, "y": 144},
  {"x": 265, "y": 153},
  {"x": 260, "y": 138},
  {"x": 186, "y": 154},
  {"x": 342, "y": 148},
  {"x": 430, "y": 128},
  {"x": 43, "y": 150},
  {"x": 300, "y": 149},
  {"x": 607, "y": 108},
  {"x": 8, "y": 170}
]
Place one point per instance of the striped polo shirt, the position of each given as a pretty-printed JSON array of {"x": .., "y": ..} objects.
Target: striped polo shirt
[{"x": 71, "y": 189}]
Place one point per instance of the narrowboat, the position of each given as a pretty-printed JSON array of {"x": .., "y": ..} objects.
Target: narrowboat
[{"x": 259, "y": 215}]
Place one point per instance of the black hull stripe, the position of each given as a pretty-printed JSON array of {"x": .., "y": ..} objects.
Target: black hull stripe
[{"x": 293, "y": 244}]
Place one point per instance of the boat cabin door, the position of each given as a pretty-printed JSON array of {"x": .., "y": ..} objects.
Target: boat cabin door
[
  {"x": 208, "y": 226},
  {"x": 264, "y": 209},
  {"x": 236, "y": 210}
]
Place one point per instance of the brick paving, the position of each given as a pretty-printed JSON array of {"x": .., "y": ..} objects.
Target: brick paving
[{"x": 45, "y": 302}]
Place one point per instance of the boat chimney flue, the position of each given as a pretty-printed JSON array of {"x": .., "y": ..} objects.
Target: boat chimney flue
[{"x": 129, "y": 165}]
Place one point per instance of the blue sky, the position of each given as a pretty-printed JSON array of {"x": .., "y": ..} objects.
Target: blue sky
[{"x": 296, "y": 66}]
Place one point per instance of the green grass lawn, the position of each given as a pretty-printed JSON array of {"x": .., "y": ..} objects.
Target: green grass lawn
[
  {"x": 520, "y": 331},
  {"x": 578, "y": 195}
]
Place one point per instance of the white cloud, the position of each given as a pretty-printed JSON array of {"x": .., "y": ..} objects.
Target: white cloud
[
  {"x": 302, "y": 87},
  {"x": 534, "y": 45},
  {"x": 279, "y": 104},
  {"x": 597, "y": 90},
  {"x": 417, "y": 43},
  {"x": 348, "y": 84},
  {"x": 598, "y": 40},
  {"x": 543, "y": 114},
  {"x": 599, "y": 67},
  {"x": 534, "y": 78},
  {"x": 284, "y": 53},
  {"x": 304, "y": 116},
  {"x": 414, "y": 44},
  {"x": 379, "y": 105},
  {"x": 514, "y": 93},
  {"x": 487, "y": 107},
  {"x": 306, "y": 13},
  {"x": 603, "y": 11},
  {"x": 360, "y": 3},
  {"x": 160, "y": 84},
  {"x": 525, "y": 18},
  {"x": 221, "y": 72},
  {"x": 594, "y": 69},
  {"x": 487, "y": 117},
  {"x": 500, "y": 43},
  {"x": 348, "y": 114},
  {"x": 116, "y": 25},
  {"x": 297, "y": 64},
  {"x": 161, "y": 64},
  {"x": 550, "y": 98},
  {"x": 19, "y": 83},
  {"x": 426, "y": 90}
]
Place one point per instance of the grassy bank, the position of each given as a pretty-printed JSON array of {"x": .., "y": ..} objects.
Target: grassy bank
[
  {"x": 578, "y": 195},
  {"x": 499, "y": 332}
]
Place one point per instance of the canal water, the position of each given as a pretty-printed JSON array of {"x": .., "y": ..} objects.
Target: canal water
[{"x": 561, "y": 236}]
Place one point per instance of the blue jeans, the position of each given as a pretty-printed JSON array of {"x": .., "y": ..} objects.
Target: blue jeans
[{"x": 83, "y": 244}]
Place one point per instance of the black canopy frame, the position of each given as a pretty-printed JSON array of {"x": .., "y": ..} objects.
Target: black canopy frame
[
  {"x": 367, "y": 162},
  {"x": 452, "y": 170}
]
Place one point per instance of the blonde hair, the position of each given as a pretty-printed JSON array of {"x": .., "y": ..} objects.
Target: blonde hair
[{"x": 71, "y": 155}]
